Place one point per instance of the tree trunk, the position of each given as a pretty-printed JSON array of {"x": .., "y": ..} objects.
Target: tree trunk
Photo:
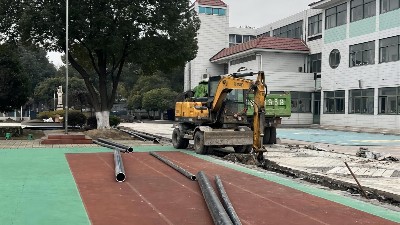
[
  {"x": 161, "y": 114},
  {"x": 103, "y": 120}
]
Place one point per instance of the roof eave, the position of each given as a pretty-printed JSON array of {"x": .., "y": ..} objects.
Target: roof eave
[
  {"x": 255, "y": 50},
  {"x": 323, "y": 4}
]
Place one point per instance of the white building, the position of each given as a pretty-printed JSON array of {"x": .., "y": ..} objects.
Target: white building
[{"x": 348, "y": 76}]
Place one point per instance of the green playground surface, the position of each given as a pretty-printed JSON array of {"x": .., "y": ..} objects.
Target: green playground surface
[{"x": 37, "y": 186}]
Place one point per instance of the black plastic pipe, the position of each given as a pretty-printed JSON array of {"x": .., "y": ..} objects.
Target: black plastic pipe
[
  {"x": 148, "y": 137},
  {"x": 215, "y": 207},
  {"x": 129, "y": 149},
  {"x": 134, "y": 134},
  {"x": 226, "y": 202},
  {"x": 174, "y": 166},
  {"x": 109, "y": 146},
  {"x": 119, "y": 167}
]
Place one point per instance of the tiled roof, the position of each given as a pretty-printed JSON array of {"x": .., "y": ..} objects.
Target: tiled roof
[
  {"x": 212, "y": 3},
  {"x": 273, "y": 43}
]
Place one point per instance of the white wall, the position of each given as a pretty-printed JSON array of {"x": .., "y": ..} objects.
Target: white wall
[
  {"x": 212, "y": 37},
  {"x": 375, "y": 76},
  {"x": 242, "y": 31}
]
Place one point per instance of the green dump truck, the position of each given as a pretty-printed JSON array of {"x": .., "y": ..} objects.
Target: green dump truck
[{"x": 276, "y": 107}]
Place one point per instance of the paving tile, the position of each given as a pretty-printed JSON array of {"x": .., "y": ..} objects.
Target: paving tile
[
  {"x": 378, "y": 172},
  {"x": 388, "y": 173}
]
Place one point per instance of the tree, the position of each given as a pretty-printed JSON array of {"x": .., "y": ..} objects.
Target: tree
[
  {"x": 104, "y": 35},
  {"x": 159, "y": 99},
  {"x": 36, "y": 66},
  {"x": 77, "y": 91},
  {"x": 143, "y": 85},
  {"x": 13, "y": 81}
]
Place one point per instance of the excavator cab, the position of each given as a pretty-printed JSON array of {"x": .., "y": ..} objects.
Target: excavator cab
[{"x": 234, "y": 106}]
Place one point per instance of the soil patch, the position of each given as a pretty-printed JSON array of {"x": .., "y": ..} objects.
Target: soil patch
[{"x": 108, "y": 134}]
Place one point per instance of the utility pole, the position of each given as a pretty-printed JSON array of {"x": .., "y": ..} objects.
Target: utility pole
[{"x": 66, "y": 69}]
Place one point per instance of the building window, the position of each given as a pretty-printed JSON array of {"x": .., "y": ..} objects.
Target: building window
[
  {"x": 294, "y": 30},
  {"x": 336, "y": 16},
  {"x": 301, "y": 102},
  {"x": 314, "y": 63},
  {"x": 389, "y": 100},
  {"x": 238, "y": 39},
  {"x": 362, "y": 54},
  {"x": 334, "y": 102},
  {"x": 266, "y": 34},
  {"x": 315, "y": 25},
  {"x": 389, "y": 49},
  {"x": 243, "y": 60},
  {"x": 334, "y": 58},
  {"x": 211, "y": 11},
  {"x": 361, "y": 9},
  {"x": 389, "y": 5},
  {"x": 361, "y": 101}
]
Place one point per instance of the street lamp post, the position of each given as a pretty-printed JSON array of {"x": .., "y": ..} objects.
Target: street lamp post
[{"x": 66, "y": 69}]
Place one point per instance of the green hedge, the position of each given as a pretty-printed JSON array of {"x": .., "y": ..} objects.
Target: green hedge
[{"x": 15, "y": 131}]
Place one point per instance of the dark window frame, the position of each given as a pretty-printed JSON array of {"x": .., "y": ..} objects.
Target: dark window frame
[
  {"x": 359, "y": 99},
  {"x": 300, "y": 103},
  {"x": 293, "y": 30},
  {"x": 317, "y": 19},
  {"x": 334, "y": 12},
  {"x": 334, "y": 102},
  {"x": 384, "y": 46},
  {"x": 314, "y": 63},
  {"x": 334, "y": 58},
  {"x": 364, "y": 51},
  {"x": 383, "y": 101},
  {"x": 363, "y": 5},
  {"x": 388, "y": 7}
]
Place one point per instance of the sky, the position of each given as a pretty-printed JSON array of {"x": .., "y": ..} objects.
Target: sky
[{"x": 253, "y": 13}]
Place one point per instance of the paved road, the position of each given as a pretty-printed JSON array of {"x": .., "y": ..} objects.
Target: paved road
[{"x": 339, "y": 137}]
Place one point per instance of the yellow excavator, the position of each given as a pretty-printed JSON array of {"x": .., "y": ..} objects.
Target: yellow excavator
[{"x": 219, "y": 118}]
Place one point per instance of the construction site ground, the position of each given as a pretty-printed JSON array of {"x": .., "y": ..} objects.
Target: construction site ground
[{"x": 75, "y": 184}]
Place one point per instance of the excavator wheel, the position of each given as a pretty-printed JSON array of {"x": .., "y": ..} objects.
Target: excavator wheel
[
  {"x": 243, "y": 149},
  {"x": 178, "y": 141},
  {"x": 199, "y": 147}
]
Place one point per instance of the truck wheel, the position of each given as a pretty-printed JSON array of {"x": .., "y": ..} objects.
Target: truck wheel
[
  {"x": 272, "y": 137},
  {"x": 199, "y": 147},
  {"x": 243, "y": 149},
  {"x": 267, "y": 135},
  {"x": 178, "y": 141}
]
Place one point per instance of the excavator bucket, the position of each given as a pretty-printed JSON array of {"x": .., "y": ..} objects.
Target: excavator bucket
[{"x": 222, "y": 137}]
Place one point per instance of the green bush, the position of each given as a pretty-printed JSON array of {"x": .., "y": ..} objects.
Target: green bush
[
  {"x": 114, "y": 121},
  {"x": 76, "y": 118},
  {"x": 15, "y": 131},
  {"x": 52, "y": 114}
]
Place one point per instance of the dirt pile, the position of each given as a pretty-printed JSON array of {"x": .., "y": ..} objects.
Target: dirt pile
[
  {"x": 246, "y": 159},
  {"x": 108, "y": 134}
]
